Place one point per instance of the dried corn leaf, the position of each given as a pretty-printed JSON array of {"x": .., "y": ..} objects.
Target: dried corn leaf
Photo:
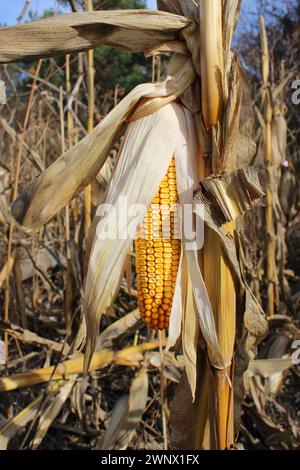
[
  {"x": 231, "y": 11},
  {"x": 4, "y": 195},
  {"x": 216, "y": 204},
  {"x": 30, "y": 337},
  {"x": 117, "y": 329},
  {"x": 116, "y": 424},
  {"x": 51, "y": 412},
  {"x": 268, "y": 367},
  {"x": 6, "y": 270},
  {"x": 190, "y": 335},
  {"x": 182, "y": 418},
  {"x": 170, "y": 365},
  {"x": 127, "y": 414},
  {"x": 75, "y": 169},
  {"x": 189, "y": 421},
  {"x": 254, "y": 320},
  {"x": 246, "y": 145},
  {"x": 174, "y": 46},
  {"x": 280, "y": 88},
  {"x": 17, "y": 424},
  {"x": 178, "y": 303},
  {"x": 232, "y": 193},
  {"x": 2, "y": 92},
  {"x": 279, "y": 139},
  {"x": 102, "y": 181},
  {"x": 231, "y": 121},
  {"x": 130, "y": 30}
]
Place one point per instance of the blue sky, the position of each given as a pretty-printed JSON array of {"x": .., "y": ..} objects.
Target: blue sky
[{"x": 11, "y": 9}]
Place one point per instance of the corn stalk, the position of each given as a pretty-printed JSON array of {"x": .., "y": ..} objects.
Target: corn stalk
[
  {"x": 268, "y": 157},
  {"x": 90, "y": 77},
  {"x": 130, "y": 356},
  {"x": 217, "y": 273}
]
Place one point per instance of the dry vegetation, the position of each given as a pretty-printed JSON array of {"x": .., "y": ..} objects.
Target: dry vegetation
[{"x": 222, "y": 377}]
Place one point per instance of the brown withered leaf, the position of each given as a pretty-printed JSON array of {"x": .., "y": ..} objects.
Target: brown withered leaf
[
  {"x": 246, "y": 146},
  {"x": 231, "y": 129},
  {"x": 230, "y": 195},
  {"x": 231, "y": 11},
  {"x": 130, "y": 30}
]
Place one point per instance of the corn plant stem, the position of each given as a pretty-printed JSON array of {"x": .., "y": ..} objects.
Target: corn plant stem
[
  {"x": 70, "y": 128},
  {"x": 268, "y": 156},
  {"x": 14, "y": 195},
  {"x": 217, "y": 274},
  {"x": 91, "y": 75},
  {"x": 221, "y": 291},
  {"x": 66, "y": 221}
]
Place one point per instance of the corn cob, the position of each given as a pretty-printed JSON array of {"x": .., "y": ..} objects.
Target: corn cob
[{"x": 158, "y": 254}]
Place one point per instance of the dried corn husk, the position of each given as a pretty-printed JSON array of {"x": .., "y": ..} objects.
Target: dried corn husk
[{"x": 145, "y": 157}]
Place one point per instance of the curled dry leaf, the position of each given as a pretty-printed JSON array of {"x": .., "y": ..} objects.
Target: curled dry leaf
[{"x": 130, "y": 30}]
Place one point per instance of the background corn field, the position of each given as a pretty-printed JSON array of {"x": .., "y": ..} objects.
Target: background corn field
[{"x": 132, "y": 392}]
